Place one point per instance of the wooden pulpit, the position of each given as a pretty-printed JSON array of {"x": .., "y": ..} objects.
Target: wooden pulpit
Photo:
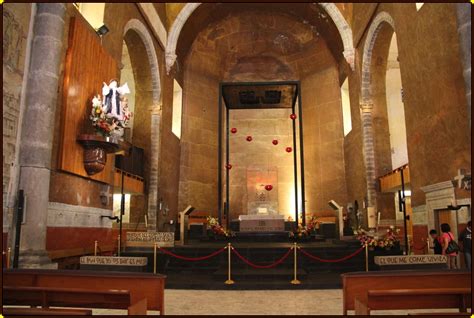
[{"x": 183, "y": 225}]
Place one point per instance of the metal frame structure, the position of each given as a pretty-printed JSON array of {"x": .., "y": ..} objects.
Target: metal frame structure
[{"x": 296, "y": 97}]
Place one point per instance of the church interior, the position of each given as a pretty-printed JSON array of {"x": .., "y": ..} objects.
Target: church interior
[{"x": 236, "y": 158}]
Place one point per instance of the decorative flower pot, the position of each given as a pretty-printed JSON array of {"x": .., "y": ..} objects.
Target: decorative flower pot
[
  {"x": 96, "y": 149},
  {"x": 95, "y": 159}
]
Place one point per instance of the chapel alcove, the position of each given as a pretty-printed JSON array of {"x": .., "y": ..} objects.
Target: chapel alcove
[
  {"x": 255, "y": 43},
  {"x": 135, "y": 71}
]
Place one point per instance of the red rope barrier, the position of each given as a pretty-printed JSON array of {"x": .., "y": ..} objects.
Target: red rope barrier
[
  {"x": 193, "y": 259},
  {"x": 332, "y": 260},
  {"x": 246, "y": 261}
]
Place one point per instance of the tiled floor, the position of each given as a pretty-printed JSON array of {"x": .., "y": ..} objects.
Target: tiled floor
[{"x": 254, "y": 302}]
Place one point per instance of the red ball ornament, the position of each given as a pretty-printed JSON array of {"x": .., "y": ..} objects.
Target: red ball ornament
[
  {"x": 275, "y": 142},
  {"x": 249, "y": 138},
  {"x": 228, "y": 166},
  {"x": 293, "y": 116},
  {"x": 233, "y": 130},
  {"x": 268, "y": 187},
  {"x": 289, "y": 149}
]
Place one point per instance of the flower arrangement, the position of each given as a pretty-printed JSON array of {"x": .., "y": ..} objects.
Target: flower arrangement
[
  {"x": 387, "y": 241},
  {"x": 301, "y": 232},
  {"x": 104, "y": 124},
  {"x": 313, "y": 224},
  {"x": 216, "y": 228}
]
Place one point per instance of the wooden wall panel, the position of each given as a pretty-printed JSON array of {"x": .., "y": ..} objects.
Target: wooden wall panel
[{"x": 88, "y": 65}]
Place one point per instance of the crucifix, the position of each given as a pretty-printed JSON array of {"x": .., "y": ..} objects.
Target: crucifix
[{"x": 460, "y": 177}]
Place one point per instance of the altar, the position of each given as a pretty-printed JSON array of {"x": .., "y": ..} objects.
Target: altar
[{"x": 262, "y": 223}]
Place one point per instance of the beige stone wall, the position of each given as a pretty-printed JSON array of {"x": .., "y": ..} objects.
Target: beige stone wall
[
  {"x": 198, "y": 162},
  {"x": 264, "y": 126},
  {"x": 16, "y": 21},
  {"x": 259, "y": 46},
  {"x": 323, "y": 141},
  {"x": 434, "y": 97}
]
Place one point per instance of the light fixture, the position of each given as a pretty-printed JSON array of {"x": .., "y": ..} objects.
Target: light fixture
[{"x": 101, "y": 31}]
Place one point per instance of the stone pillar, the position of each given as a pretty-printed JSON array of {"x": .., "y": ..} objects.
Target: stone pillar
[
  {"x": 154, "y": 170},
  {"x": 369, "y": 152},
  {"x": 463, "y": 11},
  {"x": 37, "y": 131}
]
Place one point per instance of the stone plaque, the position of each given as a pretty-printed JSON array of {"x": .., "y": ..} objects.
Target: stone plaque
[
  {"x": 164, "y": 239},
  {"x": 113, "y": 260},
  {"x": 409, "y": 259}
]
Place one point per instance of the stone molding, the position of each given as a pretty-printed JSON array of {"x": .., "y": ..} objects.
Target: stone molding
[
  {"x": 331, "y": 9},
  {"x": 438, "y": 196},
  {"x": 163, "y": 239},
  {"x": 67, "y": 215},
  {"x": 366, "y": 105},
  {"x": 155, "y": 22}
]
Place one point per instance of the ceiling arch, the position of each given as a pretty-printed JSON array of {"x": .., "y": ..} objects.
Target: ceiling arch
[{"x": 336, "y": 16}]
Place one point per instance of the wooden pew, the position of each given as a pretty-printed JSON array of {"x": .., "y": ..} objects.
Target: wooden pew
[
  {"x": 72, "y": 297},
  {"x": 140, "y": 285},
  {"x": 358, "y": 283},
  {"x": 13, "y": 311},
  {"x": 418, "y": 298}
]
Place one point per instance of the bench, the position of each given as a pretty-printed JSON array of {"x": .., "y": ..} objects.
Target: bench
[
  {"x": 419, "y": 298},
  {"x": 72, "y": 297},
  {"x": 356, "y": 284},
  {"x": 140, "y": 285},
  {"x": 13, "y": 311}
]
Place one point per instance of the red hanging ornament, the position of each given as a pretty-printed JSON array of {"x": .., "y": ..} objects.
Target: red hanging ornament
[
  {"x": 268, "y": 187},
  {"x": 289, "y": 149},
  {"x": 233, "y": 130},
  {"x": 249, "y": 138},
  {"x": 275, "y": 142},
  {"x": 293, "y": 116},
  {"x": 228, "y": 166}
]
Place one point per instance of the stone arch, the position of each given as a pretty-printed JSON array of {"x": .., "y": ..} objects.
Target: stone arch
[
  {"x": 140, "y": 28},
  {"x": 366, "y": 105},
  {"x": 330, "y": 8},
  {"x": 382, "y": 17},
  {"x": 155, "y": 111}
]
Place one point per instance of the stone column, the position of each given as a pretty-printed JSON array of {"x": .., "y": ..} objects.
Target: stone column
[
  {"x": 154, "y": 170},
  {"x": 37, "y": 131},
  {"x": 463, "y": 11},
  {"x": 368, "y": 151}
]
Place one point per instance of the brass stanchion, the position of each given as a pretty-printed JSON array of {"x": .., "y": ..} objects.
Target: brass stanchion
[
  {"x": 118, "y": 245},
  {"x": 295, "y": 280},
  {"x": 9, "y": 254},
  {"x": 95, "y": 248},
  {"x": 366, "y": 257},
  {"x": 155, "y": 245},
  {"x": 229, "y": 280}
]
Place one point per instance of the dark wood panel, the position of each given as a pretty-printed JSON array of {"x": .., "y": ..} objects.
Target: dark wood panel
[
  {"x": 87, "y": 66},
  {"x": 357, "y": 283},
  {"x": 140, "y": 285}
]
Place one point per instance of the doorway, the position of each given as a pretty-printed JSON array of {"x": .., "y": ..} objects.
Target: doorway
[{"x": 446, "y": 216}]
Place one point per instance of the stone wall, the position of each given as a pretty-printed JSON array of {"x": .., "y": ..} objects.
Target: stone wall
[
  {"x": 436, "y": 115},
  {"x": 261, "y": 46},
  {"x": 70, "y": 191},
  {"x": 323, "y": 141},
  {"x": 16, "y": 23}
]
